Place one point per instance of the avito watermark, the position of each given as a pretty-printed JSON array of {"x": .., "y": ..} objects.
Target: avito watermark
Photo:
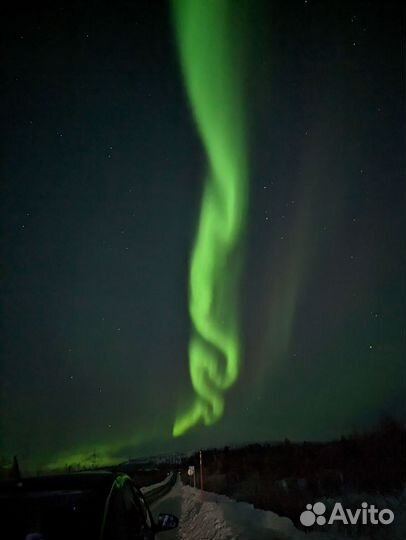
[{"x": 368, "y": 514}]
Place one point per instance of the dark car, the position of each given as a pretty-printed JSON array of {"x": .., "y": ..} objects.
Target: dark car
[{"x": 98, "y": 505}]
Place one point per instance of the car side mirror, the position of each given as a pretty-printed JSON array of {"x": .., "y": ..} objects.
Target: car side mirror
[{"x": 166, "y": 522}]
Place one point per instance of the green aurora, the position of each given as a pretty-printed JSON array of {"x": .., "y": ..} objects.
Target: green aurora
[{"x": 213, "y": 79}]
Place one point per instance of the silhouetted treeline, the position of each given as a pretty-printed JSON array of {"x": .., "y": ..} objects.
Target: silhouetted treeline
[{"x": 284, "y": 477}]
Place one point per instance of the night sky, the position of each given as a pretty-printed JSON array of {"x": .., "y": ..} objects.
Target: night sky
[{"x": 102, "y": 175}]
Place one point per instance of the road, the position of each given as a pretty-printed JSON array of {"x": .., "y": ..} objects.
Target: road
[{"x": 169, "y": 504}]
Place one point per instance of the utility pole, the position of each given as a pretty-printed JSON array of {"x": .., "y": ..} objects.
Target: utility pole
[{"x": 201, "y": 471}]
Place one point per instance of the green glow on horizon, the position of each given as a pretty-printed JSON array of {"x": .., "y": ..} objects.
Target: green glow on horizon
[
  {"x": 213, "y": 79},
  {"x": 104, "y": 454},
  {"x": 97, "y": 451}
]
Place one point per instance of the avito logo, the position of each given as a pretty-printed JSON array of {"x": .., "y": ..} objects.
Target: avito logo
[{"x": 367, "y": 515}]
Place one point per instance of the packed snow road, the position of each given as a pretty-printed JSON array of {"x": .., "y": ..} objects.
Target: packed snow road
[{"x": 208, "y": 516}]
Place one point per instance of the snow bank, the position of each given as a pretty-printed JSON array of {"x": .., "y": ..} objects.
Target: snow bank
[{"x": 209, "y": 516}]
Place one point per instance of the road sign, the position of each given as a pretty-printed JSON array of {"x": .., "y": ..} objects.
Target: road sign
[{"x": 191, "y": 470}]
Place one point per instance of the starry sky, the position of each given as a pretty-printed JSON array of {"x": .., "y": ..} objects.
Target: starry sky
[{"x": 101, "y": 187}]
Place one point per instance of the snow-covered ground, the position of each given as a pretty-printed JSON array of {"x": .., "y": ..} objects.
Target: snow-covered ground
[{"x": 209, "y": 516}]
